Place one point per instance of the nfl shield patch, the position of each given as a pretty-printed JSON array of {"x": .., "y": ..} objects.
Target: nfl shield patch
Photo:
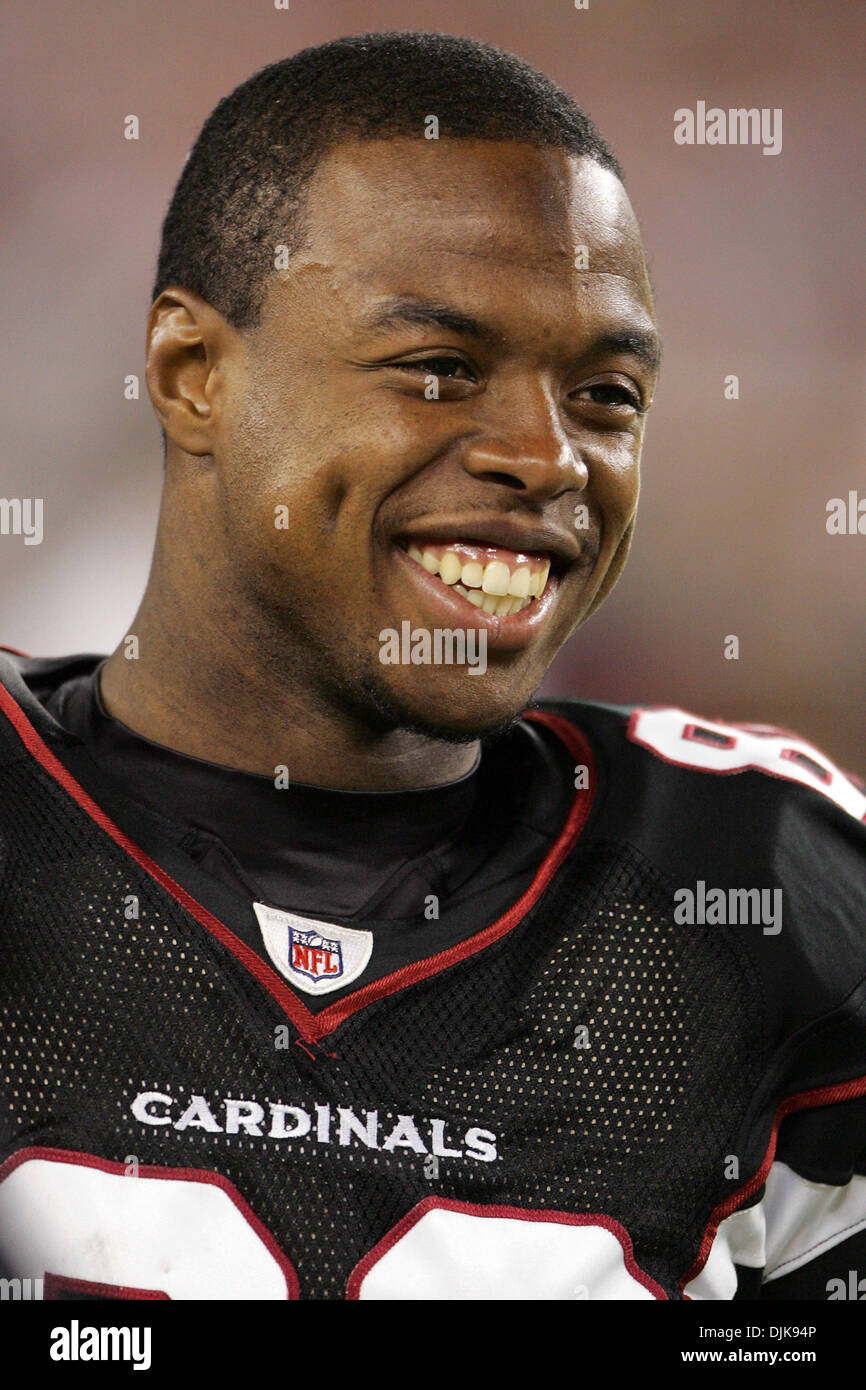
[{"x": 316, "y": 957}]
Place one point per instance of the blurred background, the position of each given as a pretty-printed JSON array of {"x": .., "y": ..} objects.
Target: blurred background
[{"x": 756, "y": 261}]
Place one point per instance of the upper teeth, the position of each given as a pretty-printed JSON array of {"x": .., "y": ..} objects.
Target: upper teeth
[{"x": 494, "y": 587}]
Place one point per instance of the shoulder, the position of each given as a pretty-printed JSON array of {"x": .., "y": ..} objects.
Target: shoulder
[
  {"x": 758, "y": 836},
  {"x": 752, "y": 766},
  {"x": 32, "y": 741}
]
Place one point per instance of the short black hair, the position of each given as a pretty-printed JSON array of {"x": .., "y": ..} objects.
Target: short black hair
[{"x": 241, "y": 190}]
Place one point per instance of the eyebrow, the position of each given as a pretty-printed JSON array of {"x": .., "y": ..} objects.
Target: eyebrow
[
  {"x": 423, "y": 313},
  {"x": 405, "y": 311},
  {"x": 641, "y": 343}
]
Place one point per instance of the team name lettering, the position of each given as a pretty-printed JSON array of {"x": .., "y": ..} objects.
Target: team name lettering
[{"x": 339, "y": 1125}]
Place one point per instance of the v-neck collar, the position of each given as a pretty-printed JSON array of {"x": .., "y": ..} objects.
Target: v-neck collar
[{"x": 313, "y": 1027}]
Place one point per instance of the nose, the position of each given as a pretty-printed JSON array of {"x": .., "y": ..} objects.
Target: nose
[{"x": 523, "y": 445}]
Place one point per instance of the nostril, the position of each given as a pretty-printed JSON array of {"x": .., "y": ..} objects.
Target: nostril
[{"x": 507, "y": 480}]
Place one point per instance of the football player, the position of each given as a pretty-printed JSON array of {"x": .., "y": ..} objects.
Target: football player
[{"x": 334, "y": 967}]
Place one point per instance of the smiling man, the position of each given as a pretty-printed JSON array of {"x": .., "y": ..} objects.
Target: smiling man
[{"x": 377, "y": 979}]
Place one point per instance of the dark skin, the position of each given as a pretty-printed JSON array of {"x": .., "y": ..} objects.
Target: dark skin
[{"x": 259, "y": 646}]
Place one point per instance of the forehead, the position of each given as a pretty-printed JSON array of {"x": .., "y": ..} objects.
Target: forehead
[{"x": 414, "y": 215}]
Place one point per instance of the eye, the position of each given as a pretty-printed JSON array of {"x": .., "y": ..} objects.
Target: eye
[
  {"x": 611, "y": 394},
  {"x": 443, "y": 366}
]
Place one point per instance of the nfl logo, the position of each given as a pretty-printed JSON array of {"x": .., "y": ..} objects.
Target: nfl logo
[{"x": 315, "y": 955}]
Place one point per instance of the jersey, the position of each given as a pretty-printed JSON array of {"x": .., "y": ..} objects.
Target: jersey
[{"x": 646, "y": 1079}]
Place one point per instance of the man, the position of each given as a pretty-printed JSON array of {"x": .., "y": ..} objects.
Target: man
[{"x": 331, "y": 970}]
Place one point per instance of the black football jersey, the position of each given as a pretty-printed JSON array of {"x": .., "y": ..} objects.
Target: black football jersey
[{"x": 645, "y": 1080}]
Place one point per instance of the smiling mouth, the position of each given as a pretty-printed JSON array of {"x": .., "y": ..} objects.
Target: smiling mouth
[{"x": 499, "y": 582}]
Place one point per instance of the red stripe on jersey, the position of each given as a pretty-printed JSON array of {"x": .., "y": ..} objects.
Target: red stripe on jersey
[
  {"x": 802, "y": 1100},
  {"x": 312, "y": 1026}
]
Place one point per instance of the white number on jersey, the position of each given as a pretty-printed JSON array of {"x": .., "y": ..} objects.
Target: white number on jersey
[
  {"x": 77, "y": 1221},
  {"x": 710, "y": 746},
  {"x": 83, "y": 1225}
]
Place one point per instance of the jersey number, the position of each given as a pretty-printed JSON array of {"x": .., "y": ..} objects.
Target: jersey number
[
  {"x": 725, "y": 748},
  {"x": 86, "y": 1226}
]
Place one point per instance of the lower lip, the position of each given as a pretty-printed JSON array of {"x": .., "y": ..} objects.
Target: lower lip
[{"x": 450, "y": 609}]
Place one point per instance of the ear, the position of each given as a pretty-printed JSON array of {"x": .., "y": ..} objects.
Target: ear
[{"x": 189, "y": 346}]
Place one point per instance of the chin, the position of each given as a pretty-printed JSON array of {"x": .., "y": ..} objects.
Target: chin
[{"x": 448, "y": 713}]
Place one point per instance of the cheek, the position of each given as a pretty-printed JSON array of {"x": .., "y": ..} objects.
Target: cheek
[
  {"x": 298, "y": 511},
  {"x": 614, "y": 473},
  {"x": 320, "y": 443},
  {"x": 276, "y": 476}
]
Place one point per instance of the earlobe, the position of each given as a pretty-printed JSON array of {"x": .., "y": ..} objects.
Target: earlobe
[{"x": 183, "y": 345}]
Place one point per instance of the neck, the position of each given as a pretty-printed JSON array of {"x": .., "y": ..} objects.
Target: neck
[{"x": 208, "y": 686}]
